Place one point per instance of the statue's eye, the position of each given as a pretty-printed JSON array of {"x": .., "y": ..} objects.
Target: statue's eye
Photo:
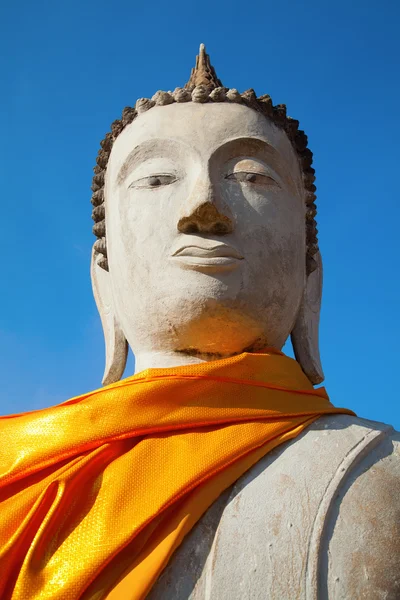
[
  {"x": 251, "y": 177},
  {"x": 153, "y": 181}
]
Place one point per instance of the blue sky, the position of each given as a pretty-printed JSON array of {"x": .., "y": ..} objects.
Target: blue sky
[{"x": 68, "y": 70}]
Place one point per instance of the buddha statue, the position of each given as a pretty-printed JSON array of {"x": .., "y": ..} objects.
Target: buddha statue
[{"x": 206, "y": 262}]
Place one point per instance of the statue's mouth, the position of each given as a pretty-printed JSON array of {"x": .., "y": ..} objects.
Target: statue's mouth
[{"x": 207, "y": 255}]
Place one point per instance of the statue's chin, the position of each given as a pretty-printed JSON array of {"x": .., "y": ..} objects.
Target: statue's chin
[
  {"x": 206, "y": 328},
  {"x": 219, "y": 332}
]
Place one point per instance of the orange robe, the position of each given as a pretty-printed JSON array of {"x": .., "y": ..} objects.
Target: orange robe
[{"x": 96, "y": 493}]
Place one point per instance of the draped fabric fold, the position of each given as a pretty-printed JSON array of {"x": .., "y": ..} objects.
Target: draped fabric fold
[{"x": 98, "y": 492}]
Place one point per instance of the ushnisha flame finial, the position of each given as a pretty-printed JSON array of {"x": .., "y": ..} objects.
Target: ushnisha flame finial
[{"x": 203, "y": 73}]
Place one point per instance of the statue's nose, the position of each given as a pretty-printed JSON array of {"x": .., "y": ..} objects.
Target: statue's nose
[{"x": 205, "y": 213}]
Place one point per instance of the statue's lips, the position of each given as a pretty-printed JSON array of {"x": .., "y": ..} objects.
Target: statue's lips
[{"x": 215, "y": 256}]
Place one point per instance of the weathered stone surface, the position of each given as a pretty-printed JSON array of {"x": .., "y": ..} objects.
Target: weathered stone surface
[
  {"x": 318, "y": 518},
  {"x": 203, "y": 200}
]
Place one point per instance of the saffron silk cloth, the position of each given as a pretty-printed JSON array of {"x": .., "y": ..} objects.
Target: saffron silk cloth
[{"x": 98, "y": 492}]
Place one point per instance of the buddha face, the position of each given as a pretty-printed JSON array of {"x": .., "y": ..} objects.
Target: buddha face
[{"x": 205, "y": 230}]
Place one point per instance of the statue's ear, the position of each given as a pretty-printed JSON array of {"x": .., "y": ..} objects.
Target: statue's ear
[
  {"x": 305, "y": 334},
  {"x": 115, "y": 341}
]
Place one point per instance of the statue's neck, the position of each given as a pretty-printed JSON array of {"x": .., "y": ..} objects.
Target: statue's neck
[{"x": 163, "y": 360}]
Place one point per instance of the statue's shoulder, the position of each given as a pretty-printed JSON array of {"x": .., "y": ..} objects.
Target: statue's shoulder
[
  {"x": 349, "y": 440},
  {"x": 331, "y": 496},
  {"x": 340, "y": 430},
  {"x": 332, "y": 448},
  {"x": 316, "y": 517},
  {"x": 348, "y": 427},
  {"x": 362, "y": 535}
]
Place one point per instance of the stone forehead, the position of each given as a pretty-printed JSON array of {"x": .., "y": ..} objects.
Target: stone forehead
[
  {"x": 175, "y": 118},
  {"x": 203, "y": 127}
]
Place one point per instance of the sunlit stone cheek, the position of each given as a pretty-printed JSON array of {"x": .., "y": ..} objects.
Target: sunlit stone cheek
[{"x": 270, "y": 221}]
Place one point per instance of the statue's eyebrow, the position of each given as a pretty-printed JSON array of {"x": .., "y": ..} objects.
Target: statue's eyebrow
[
  {"x": 145, "y": 150},
  {"x": 250, "y": 145},
  {"x": 130, "y": 159}
]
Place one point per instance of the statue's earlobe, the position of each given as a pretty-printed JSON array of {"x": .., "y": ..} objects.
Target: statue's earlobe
[
  {"x": 305, "y": 334},
  {"x": 115, "y": 341}
]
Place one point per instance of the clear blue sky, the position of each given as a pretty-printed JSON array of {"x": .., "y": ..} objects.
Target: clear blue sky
[{"x": 69, "y": 68}]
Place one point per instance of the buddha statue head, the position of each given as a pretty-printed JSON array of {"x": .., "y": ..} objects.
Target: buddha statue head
[{"x": 205, "y": 217}]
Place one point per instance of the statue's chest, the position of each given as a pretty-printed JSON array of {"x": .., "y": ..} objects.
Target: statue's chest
[{"x": 262, "y": 538}]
